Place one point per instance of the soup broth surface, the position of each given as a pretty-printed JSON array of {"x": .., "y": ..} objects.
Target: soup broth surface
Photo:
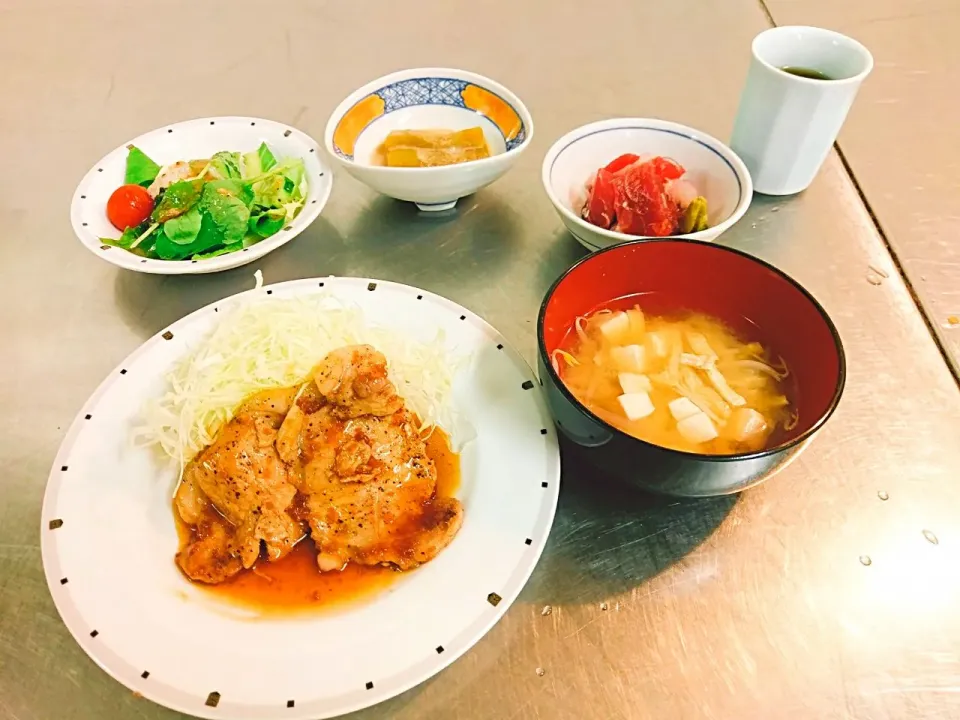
[{"x": 683, "y": 381}]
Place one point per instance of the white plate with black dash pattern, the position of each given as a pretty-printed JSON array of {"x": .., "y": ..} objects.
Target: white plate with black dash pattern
[
  {"x": 187, "y": 140},
  {"x": 108, "y": 539}
]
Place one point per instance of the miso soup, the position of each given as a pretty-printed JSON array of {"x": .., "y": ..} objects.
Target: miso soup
[{"x": 685, "y": 382}]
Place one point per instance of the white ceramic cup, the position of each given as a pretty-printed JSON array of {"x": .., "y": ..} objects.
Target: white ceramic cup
[{"x": 787, "y": 124}]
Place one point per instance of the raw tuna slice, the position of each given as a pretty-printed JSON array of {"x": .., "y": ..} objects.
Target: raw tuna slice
[{"x": 600, "y": 210}]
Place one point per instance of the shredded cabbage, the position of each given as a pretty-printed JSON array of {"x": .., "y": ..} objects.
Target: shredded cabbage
[{"x": 274, "y": 342}]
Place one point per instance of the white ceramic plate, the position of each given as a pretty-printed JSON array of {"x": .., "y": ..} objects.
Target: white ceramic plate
[
  {"x": 108, "y": 539},
  {"x": 187, "y": 140}
]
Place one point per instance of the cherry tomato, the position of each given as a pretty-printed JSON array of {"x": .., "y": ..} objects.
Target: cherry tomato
[{"x": 129, "y": 206}]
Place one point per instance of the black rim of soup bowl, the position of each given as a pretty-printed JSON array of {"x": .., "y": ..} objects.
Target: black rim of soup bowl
[{"x": 546, "y": 362}]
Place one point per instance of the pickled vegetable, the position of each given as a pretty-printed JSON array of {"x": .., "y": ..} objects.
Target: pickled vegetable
[{"x": 432, "y": 148}]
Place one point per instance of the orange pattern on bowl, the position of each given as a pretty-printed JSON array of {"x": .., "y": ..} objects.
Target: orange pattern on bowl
[
  {"x": 355, "y": 120},
  {"x": 494, "y": 108}
]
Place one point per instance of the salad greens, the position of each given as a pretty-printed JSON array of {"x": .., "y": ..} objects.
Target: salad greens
[
  {"x": 211, "y": 207},
  {"x": 141, "y": 170}
]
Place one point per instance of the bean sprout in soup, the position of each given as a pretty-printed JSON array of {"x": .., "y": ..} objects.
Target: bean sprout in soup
[{"x": 684, "y": 382}]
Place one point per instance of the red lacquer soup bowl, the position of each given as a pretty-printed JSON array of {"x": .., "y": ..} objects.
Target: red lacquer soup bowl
[{"x": 753, "y": 298}]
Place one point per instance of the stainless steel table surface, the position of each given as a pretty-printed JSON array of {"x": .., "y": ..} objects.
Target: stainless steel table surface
[
  {"x": 902, "y": 138},
  {"x": 808, "y": 597}
]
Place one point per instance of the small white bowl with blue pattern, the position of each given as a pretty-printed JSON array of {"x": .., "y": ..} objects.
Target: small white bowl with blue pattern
[
  {"x": 423, "y": 99},
  {"x": 713, "y": 168}
]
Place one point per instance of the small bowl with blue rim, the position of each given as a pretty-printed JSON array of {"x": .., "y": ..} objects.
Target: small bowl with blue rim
[
  {"x": 428, "y": 99},
  {"x": 716, "y": 172}
]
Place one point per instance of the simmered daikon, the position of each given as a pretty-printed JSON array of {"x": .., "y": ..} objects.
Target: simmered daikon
[{"x": 431, "y": 148}]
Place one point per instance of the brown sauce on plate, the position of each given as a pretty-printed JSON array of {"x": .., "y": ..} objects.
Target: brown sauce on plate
[{"x": 295, "y": 583}]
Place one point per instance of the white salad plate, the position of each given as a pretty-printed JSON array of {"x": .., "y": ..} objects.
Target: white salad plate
[
  {"x": 193, "y": 139},
  {"x": 108, "y": 537}
]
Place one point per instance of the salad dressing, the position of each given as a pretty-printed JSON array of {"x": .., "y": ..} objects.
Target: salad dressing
[{"x": 204, "y": 207}]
